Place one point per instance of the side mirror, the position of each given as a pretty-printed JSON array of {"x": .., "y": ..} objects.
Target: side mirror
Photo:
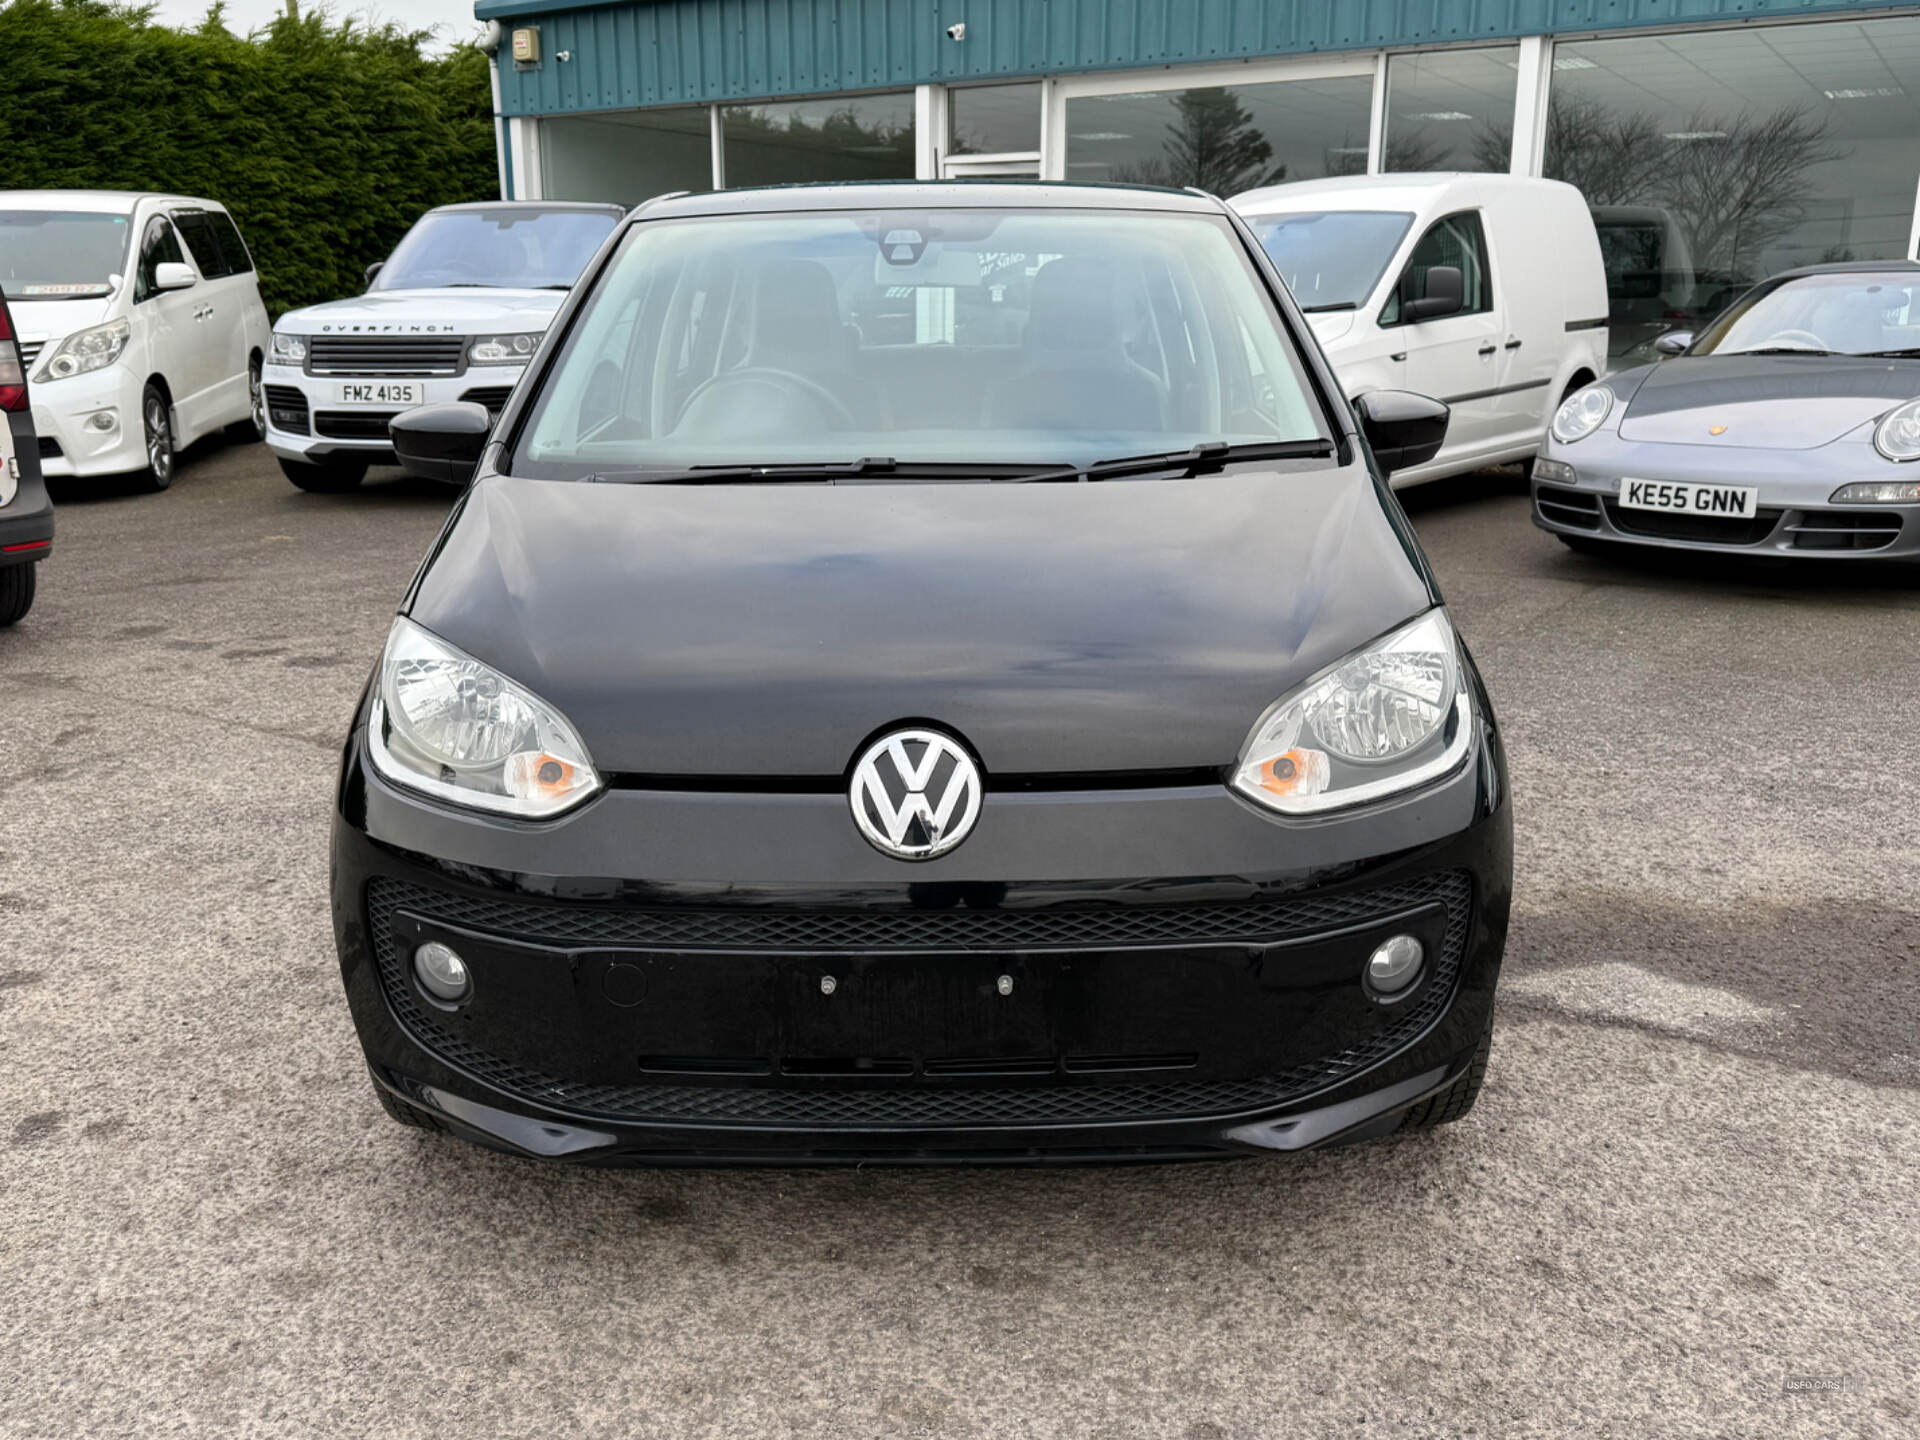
[
  {"x": 1402, "y": 429},
  {"x": 441, "y": 442},
  {"x": 373, "y": 270},
  {"x": 173, "y": 275},
  {"x": 1674, "y": 342},
  {"x": 1445, "y": 293}
]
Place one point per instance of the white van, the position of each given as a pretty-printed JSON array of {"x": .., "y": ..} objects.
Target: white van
[
  {"x": 141, "y": 324},
  {"x": 1485, "y": 291}
]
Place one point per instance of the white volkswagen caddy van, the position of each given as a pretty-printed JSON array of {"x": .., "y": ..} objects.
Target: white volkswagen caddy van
[
  {"x": 1485, "y": 291},
  {"x": 455, "y": 313},
  {"x": 140, "y": 322}
]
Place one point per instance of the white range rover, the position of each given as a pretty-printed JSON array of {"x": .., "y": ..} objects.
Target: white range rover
[{"x": 454, "y": 313}]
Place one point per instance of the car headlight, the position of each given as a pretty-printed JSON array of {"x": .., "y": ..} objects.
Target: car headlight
[
  {"x": 94, "y": 348},
  {"x": 446, "y": 724},
  {"x": 1897, "y": 436},
  {"x": 1388, "y": 718},
  {"x": 289, "y": 349},
  {"x": 503, "y": 349},
  {"x": 1582, "y": 413}
]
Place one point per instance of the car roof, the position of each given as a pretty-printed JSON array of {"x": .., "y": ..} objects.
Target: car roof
[
  {"x": 1850, "y": 267},
  {"x": 1400, "y": 191},
  {"x": 932, "y": 195},
  {"x": 589, "y": 207},
  {"x": 105, "y": 202}
]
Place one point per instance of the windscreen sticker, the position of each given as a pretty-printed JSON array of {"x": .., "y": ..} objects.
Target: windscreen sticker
[{"x": 90, "y": 287}]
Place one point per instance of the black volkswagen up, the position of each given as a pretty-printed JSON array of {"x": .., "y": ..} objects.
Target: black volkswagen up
[{"x": 923, "y": 673}]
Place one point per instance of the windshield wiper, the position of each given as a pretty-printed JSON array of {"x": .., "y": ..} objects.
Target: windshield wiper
[
  {"x": 1207, "y": 455},
  {"x": 1334, "y": 305},
  {"x": 1778, "y": 350},
  {"x": 734, "y": 474}
]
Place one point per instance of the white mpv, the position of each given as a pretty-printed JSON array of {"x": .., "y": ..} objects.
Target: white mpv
[
  {"x": 140, "y": 323},
  {"x": 455, "y": 313},
  {"x": 1483, "y": 291}
]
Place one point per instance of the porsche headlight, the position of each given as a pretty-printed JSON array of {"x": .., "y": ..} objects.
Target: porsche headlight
[
  {"x": 1388, "y": 718},
  {"x": 1897, "y": 436},
  {"x": 1582, "y": 413},
  {"x": 449, "y": 725},
  {"x": 503, "y": 349},
  {"x": 87, "y": 350}
]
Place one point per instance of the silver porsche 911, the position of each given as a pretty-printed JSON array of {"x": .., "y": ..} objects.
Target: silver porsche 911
[{"x": 1789, "y": 426}]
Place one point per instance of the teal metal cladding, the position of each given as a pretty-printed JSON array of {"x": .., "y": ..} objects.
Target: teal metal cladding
[{"x": 626, "y": 53}]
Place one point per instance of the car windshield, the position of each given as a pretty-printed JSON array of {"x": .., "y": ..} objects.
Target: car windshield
[
  {"x": 938, "y": 336},
  {"x": 61, "y": 254},
  {"x": 1861, "y": 312},
  {"x": 1332, "y": 259},
  {"x": 510, "y": 248}
]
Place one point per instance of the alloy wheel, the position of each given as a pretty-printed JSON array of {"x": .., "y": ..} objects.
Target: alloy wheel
[{"x": 159, "y": 440}]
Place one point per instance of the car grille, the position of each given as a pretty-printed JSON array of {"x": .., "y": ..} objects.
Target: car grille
[
  {"x": 287, "y": 409},
  {"x": 30, "y": 352},
  {"x": 50, "y": 448},
  {"x": 1577, "y": 508},
  {"x": 1844, "y": 529},
  {"x": 494, "y": 397},
  {"x": 386, "y": 354},
  {"x": 1704, "y": 529},
  {"x": 353, "y": 424},
  {"x": 913, "y": 1101}
]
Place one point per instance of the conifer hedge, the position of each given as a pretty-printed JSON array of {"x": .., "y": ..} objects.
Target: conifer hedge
[{"x": 326, "y": 140}]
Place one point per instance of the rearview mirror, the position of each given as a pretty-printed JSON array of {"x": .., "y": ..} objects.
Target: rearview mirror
[
  {"x": 441, "y": 442},
  {"x": 1402, "y": 429},
  {"x": 373, "y": 270},
  {"x": 1674, "y": 342},
  {"x": 1445, "y": 293},
  {"x": 173, "y": 275}
]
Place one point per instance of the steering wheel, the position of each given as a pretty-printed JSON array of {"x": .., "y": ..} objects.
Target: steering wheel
[
  {"x": 763, "y": 378},
  {"x": 1813, "y": 341}
]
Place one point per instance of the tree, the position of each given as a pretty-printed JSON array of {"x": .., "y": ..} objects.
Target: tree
[{"x": 1213, "y": 145}]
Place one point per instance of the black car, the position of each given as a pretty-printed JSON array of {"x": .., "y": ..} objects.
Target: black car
[
  {"x": 26, "y": 514},
  {"x": 1030, "y": 732}
]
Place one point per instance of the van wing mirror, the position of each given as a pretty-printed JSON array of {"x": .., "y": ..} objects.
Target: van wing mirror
[
  {"x": 441, "y": 442},
  {"x": 1674, "y": 342},
  {"x": 1444, "y": 293},
  {"x": 173, "y": 275},
  {"x": 1402, "y": 429}
]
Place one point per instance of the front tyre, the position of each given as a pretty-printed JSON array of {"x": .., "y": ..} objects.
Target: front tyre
[
  {"x": 16, "y": 593},
  {"x": 156, "y": 424},
  {"x": 324, "y": 477},
  {"x": 1457, "y": 1099},
  {"x": 254, "y": 427}
]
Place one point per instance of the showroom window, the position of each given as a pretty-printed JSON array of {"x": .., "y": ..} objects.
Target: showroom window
[
  {"x": 1716, "y": 158},
  {"x": 994, "y": 119},
  {"x": 1451, "y": 110},
  {"x": 626, "y": 156},
  {"x": 849, "y": 137},
  {"x": 1221, "y": 138}
]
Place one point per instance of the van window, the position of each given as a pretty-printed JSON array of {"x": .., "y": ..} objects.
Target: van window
[
  {"x": 214, "y": 242},
  {"x": 233, "y": 250},
  {"x": 159, "y": 246},
  {"x": 1458, "y": 240}
]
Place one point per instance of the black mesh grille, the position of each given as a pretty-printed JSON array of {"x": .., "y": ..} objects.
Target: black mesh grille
[
  {"x": 494, "y": 397},
  {"x": 1568, "y": 507},
  {"x": 353, "y": 424},
  {"x": 1844, "y": 529},
  {"x": 287, "y": 409},
  {"x": 919, "y": 1102},
  {"x": 386, "y": 354}
]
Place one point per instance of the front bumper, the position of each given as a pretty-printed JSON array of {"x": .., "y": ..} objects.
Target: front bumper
[
  {"x": 1205, "y": 1002},
  {"x": 1795, "y": 516},
  {"x": 68, "y": 416},
  {"x": 308, "y": 420}
]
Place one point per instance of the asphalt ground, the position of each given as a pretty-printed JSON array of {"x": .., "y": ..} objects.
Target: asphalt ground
[{"x": 1691, "y": 1176}]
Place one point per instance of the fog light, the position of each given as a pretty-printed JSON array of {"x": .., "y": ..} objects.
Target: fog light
[
  {"x": 442, "y": 973},
  {"x": 102, "y": 420},
  {"x": 1395, "y": 965}
]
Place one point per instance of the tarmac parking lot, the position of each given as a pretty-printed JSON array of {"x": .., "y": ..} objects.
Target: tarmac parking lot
[{"x": 1690, "y": 1179}]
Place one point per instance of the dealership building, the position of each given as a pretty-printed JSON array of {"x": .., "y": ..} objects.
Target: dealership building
[{"x": 1744, "y": 135}]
